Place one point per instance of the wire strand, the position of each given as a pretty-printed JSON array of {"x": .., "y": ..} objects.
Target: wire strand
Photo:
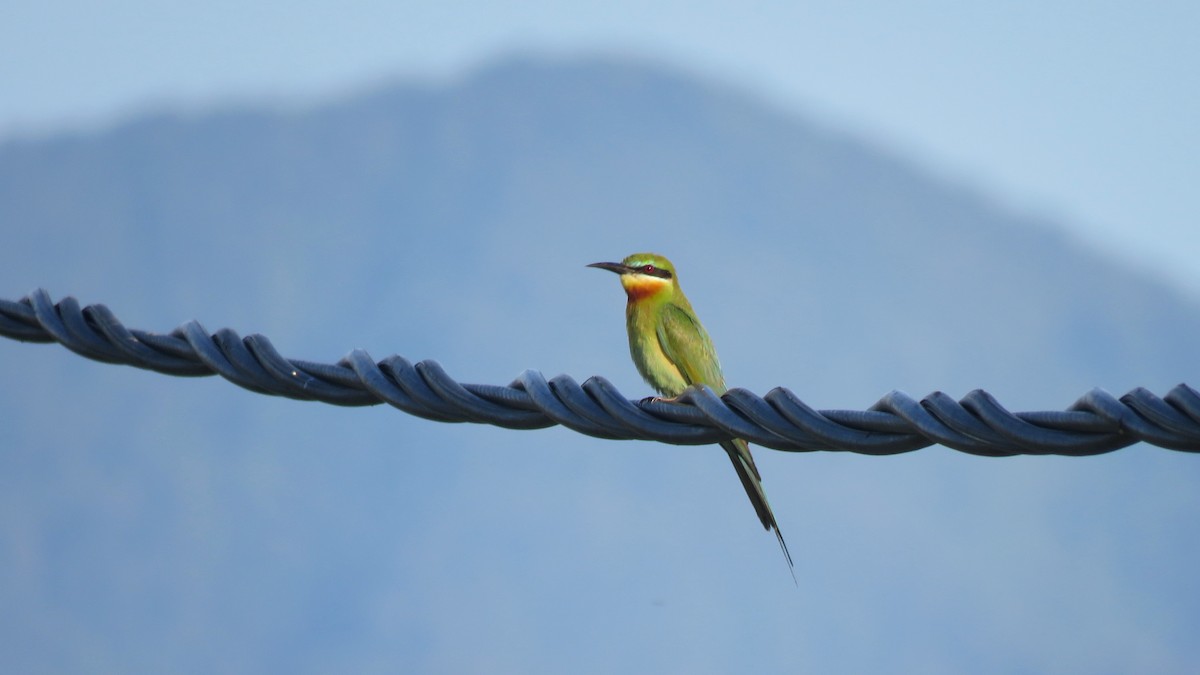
[{"x": 1097, "y": 423}]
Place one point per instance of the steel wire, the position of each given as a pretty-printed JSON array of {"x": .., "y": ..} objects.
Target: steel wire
[{"x": 978, "y": 424}]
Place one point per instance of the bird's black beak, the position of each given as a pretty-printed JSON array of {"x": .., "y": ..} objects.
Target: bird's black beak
[{"x": 611, "y": 267}]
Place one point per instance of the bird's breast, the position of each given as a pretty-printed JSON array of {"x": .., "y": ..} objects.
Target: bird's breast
[{"x": 652, "y": 362}]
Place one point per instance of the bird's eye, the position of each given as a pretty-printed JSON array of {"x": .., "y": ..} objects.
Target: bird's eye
[{"x": 648, "y": 269}]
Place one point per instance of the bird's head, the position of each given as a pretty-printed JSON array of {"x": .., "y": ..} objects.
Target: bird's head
[{"x": 643, "y": 275}]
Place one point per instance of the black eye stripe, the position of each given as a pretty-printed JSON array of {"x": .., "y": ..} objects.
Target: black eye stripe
[{"x": 651, "y": 270}]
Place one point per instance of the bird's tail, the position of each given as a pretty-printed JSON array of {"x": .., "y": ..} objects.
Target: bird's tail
[{"x": 743, "y": 463}]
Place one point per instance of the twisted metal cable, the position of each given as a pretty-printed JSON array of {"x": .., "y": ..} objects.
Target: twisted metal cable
[{"x": 978, "y": 424}]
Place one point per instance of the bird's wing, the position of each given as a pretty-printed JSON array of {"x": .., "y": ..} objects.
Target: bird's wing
[{"x": 688, "y": 346}]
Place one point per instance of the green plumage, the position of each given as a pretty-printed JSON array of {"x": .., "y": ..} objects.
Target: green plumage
[{"x": 672, "y": 351}]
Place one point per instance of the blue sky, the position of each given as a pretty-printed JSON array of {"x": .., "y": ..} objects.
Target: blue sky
[
  {"x": 931, "y": 560},
  {"x": 1081, "y": 111}
]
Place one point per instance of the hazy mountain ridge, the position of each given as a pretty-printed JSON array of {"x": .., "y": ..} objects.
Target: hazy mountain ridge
[{"x": 606, "y": 148}]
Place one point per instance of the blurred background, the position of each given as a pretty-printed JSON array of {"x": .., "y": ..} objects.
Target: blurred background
[{"x": 858, "y": 198}]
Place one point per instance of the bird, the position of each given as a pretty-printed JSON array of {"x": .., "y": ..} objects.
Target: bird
[{"x": 672, "y": 352}]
